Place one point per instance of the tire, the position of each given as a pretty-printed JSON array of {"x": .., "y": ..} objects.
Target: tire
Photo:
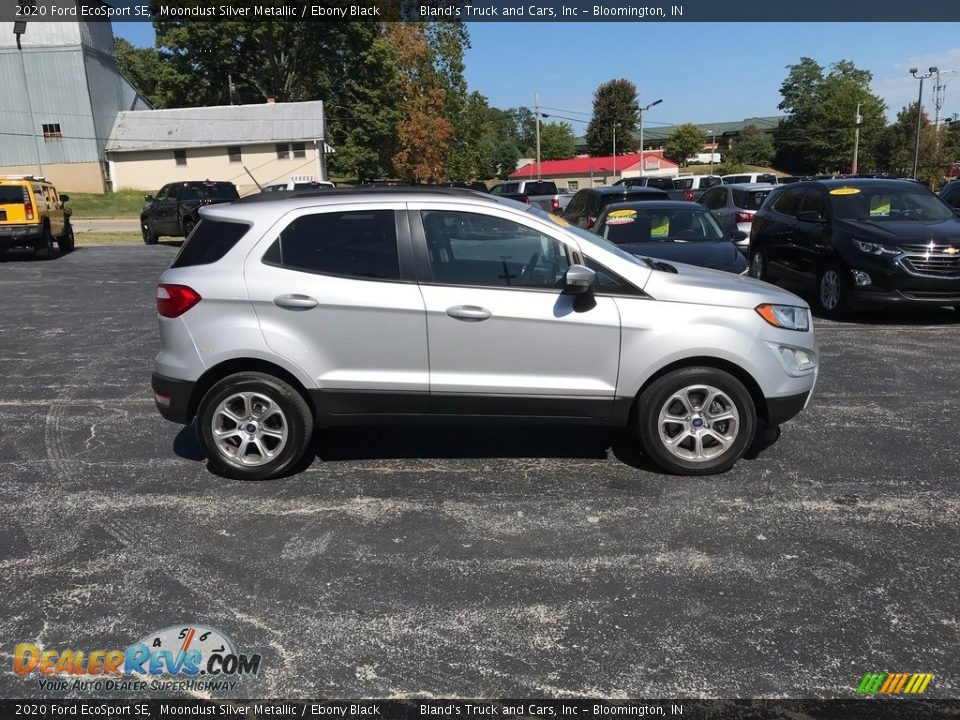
[
  {"x": 282, "y": 429},
  {"x": 149, "y": 236},
  {"x": 706, "y": 438},
  {"x": 45, "y": 248},
  {"x": 66, "y": 241},
  {"x": 758, "y": 265},
  {"x": 833, "y": 291}
]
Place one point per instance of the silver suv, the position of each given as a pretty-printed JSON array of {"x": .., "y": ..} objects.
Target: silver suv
[{"x": 279, "y": 316}]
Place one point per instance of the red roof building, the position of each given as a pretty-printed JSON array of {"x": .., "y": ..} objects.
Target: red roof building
[{"x": 586, "y": 171}]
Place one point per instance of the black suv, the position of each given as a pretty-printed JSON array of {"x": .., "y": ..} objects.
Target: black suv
[
  {"x": 176, "y": 208},
  {"x": 859, "y": 242},
  {"x": 951, "y": 193},
  {"x": 584, "y": 208}
]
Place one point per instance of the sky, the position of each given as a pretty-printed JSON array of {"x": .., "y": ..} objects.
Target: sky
[{"x": 703, "y": 72}]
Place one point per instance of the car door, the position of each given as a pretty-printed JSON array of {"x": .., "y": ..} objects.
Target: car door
[
  {"x": 503, "y": 337},
  {"x": 777, "y": 233},
  {"x": 168, "y": 220},
  {"x": 151, "y": 213},
  {"x": 715, "y": 200},
  {"x": 335, "y": 294},
  {"x": 811, "y": 238}
]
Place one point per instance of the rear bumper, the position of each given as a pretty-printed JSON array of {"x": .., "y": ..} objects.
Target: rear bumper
[
  {"x": 172, "y": 397},
  {"x": 12, "y": 235}
]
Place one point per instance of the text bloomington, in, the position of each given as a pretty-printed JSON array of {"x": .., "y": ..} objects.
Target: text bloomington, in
[{"x": 604, "y": 11}]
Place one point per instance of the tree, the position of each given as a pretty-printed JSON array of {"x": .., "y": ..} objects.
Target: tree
[
  {"x": 754, "y": 147},
  {"x": 141, "y": 66},
  {"x": 614, "y": 104},
  {"x": 506, "y": 155},
  {"x": 818, "y": 134},
  {"x": 684, "y": 141},
  {"x": 557, "y": 141},
  {"x": 901, "y": 142}
]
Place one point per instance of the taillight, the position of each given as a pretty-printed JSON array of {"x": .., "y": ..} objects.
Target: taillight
[
  {"x": 744, "y": 217},
  {"x": 590, "y": 221},
  {"x": 688, "y": 196},
  {"x": 555, "y": 205},
  {"x": 174, "y": 300},
  {"x": 28, "y": 210}
]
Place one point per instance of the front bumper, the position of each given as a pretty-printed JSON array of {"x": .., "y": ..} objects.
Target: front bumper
[
  {"x": 172, "y": 397},
  {"x": 894, "y": 282},
  {"x": 781, "y": 409}
]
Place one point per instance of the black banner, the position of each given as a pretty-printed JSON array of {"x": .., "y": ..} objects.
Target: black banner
[
  {"x": 852, "y": 709},
  {"x": 629, "y": 11}
]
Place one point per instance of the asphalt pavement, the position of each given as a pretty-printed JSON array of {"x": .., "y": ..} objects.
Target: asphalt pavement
[{"x": 492, "y": 562}]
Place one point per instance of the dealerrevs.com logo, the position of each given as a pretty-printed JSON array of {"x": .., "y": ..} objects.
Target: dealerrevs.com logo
[{"x": 195, "y": 656}]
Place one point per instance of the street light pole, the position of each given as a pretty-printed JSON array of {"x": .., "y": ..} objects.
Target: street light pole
[
  {"x": 916, "y": 151},
  {"x": 640, "y": 113},
  {"x": 615, "y": 126}
]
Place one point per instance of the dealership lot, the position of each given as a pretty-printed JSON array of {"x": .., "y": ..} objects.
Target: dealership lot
[{"x": 498, "y": 562}]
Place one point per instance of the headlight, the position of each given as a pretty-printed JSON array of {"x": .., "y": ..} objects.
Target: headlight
[
  {"x": 876, "y": 248},
  {"x": 787, "y": 317}
]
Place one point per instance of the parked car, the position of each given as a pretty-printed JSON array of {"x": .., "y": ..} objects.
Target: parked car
[
  {"x": 33, "y": 215},
  {"x": 734, "y": 207},
  {"x": 660, "y": 183},
  {"x": 174, "y": 211},
  {"x": 696, "y": 182},
  {"x": 859, "y": 242},
  {"x": 281, "y": 316},
  {"x": 670, "y": 230},
  {"x": 476, "y": 185},
  {"x": 687, "y": 188},
  {"x": 540, "y": 193},
  {"x": 584, "y": 208},
  {"x": 299, "y": 184},
  {"x": 950, "y": 193},
  {"x": 741, "y": 178}
]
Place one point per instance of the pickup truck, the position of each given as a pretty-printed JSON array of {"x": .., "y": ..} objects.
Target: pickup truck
[
  {"x": 176, "y": 207},
  {"x": 542, "y": 193},
  {"x": 688, "y": 187}
]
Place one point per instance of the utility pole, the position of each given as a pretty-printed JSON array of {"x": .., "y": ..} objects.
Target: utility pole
[
  {"x": 615, "y": 150},
  {"x": 537, "y": 98},
  {"x": 640, "y": 113},
  {"x": 916, "y": 152},
  {"x": 856, "y": 139}
]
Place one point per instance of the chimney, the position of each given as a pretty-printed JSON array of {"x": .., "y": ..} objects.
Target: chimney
[{"x": 271, "y": 100}]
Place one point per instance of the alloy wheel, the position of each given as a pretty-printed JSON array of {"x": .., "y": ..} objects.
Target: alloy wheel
[
  {"x": 698, "y": 423},
  {"x": 249, "y": 429}
]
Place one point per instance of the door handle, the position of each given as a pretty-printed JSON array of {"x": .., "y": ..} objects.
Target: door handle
[
  {"x": 468, "y": 313},
  {"x": 295, "y": 302}
]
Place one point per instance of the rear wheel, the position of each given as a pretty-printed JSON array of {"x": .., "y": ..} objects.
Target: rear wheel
[
  {"x": 149, "y": 236},
  {"x": 833, "y": 291},
  {"x": 45, "y": 248},
  {"x": 66, "y": 241},
  {"x": 253, "y": 426},
  {"x": 696, "y": 421},
  {"x": 758, "y": 265}
]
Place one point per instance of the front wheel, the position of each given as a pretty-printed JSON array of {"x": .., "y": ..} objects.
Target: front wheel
[
  {"x": 833, "y": 291},
  {"x": 149, "y": 236},
  {"x": 696, "y": 421},
  {"x": 66, "y": 241},
  {"x": 253, "y": 426}
]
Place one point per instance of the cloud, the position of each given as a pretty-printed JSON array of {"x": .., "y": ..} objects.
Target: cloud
[{"x": 900, "y": 89}]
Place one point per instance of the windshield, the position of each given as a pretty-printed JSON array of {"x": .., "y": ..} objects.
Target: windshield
[
  {"x": 209, "y": 191},
  {"x": 888, "y": 202},
  {"x": 651, "y": 225}
]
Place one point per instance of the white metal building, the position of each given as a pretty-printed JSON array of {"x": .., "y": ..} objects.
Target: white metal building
[
  {"x": 61, "y": 92},
  {"x": 270, "y": 142}
]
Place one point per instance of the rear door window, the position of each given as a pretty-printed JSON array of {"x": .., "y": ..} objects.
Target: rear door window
[
  {"x": 210, "y": 241},
  {"x": 354, "y": 243},
  {"x": 789, "y": 201},
  {"x": 714, "y": 199},
  {"x": 749, "y": 199},
  {"x": 813, "y": 202},
  {"x": 11, "y": 195}
]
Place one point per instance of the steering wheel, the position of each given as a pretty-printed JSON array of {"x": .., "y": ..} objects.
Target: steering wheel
[{"x": 529, "y": 267}]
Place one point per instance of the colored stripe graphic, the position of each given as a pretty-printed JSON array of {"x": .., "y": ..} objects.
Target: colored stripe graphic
[{"x": 894, "y": 683}]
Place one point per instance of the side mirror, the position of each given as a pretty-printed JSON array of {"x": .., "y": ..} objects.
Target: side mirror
[
  {"x": 579, "y": 279},
  {"x": 738, "y": 235},
  {"x": 811, "y": 216},
  {"x": 64, "y": 198},
  {"x": 148, "y": 198}
]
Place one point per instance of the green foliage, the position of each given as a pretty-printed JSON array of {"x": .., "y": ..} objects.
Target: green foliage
[
  {"x": 684, "y": 141},
  {"x": 754, "y": 147},
  {"x": 504, "y": 159},
  {"x": 120, "y": 204},
  {"x": 614, "y": 104},
  {"x": 143, "y": 67},
  {"x": 818, "y": 134},
  {"x": 557, "y": 141},
  {"x": 899, "y": 146}
]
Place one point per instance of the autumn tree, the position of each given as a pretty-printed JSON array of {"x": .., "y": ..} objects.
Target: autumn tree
[{"x": 614, "y": 104}]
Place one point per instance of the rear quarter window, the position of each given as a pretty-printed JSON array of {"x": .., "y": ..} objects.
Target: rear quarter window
[
  {"x": 749, "y": 199},
  {"x": 210, "y": 241}
]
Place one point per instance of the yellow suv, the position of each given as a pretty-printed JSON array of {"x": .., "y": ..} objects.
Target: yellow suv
[{"x": 32, "y": 215}]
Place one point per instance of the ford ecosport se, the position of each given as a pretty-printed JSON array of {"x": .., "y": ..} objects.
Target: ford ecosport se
[{"x": 392, "y": 306}]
